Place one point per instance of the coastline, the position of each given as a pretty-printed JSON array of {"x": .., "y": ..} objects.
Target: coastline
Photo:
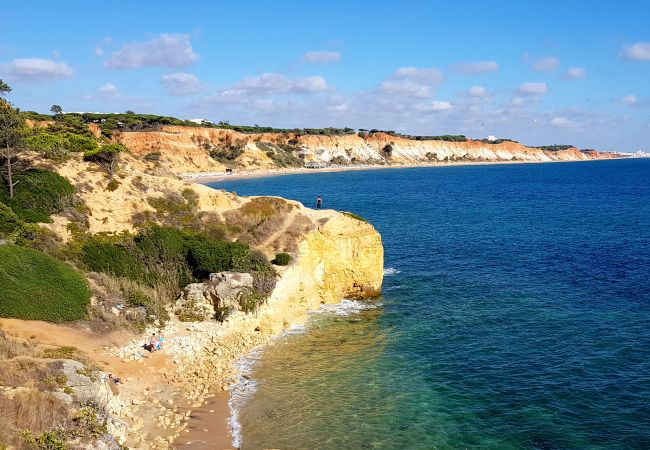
[{"x": 207, "y": 177}]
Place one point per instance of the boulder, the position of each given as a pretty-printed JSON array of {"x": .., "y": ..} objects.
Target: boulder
[{"x": 221, "y": 290}]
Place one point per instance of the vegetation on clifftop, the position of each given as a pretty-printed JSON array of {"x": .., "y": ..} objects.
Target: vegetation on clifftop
[{"x": 36, "y": 286}]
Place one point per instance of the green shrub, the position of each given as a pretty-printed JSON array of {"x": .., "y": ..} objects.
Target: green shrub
[
  {"x": 250, "y": 300},
  {"x": 139, "y": 298},
  {"x": 206, "y": 256},
  {"x": 152, "y": 157},
  {"x": 112, "y": 185},
  {"x": 50, "y": 440},
  {"x": 221, "y": 313},
  {"x": 9, "y": 221},
  {"x": 105, "y": 153},
  {"x": 116, "y": 257},
  {"x": 282, "y": 259},
  {"x": 36, "y": 286},
  {"x": 65, "y": 352},
  {"x": 37, "y": 194}
]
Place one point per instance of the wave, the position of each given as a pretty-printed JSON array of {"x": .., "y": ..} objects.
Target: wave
[{"x": 388, "y": 271}]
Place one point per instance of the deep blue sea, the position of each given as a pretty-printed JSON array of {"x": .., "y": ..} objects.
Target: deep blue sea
[{"x": 515, "y": 315}]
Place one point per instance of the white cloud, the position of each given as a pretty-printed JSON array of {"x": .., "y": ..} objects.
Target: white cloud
[
  {"x": 166, "y": 50},
  {"x": 531, "y": 88},
  {"x": 427, "y": 75},
  {"x": 637, "y": 52},
  {"x": 180, "y": 83},
  {"x": 29, "y": 70},
  {"x": 546, "y": 64},
  {"x": 274, "y": 83},
  {"x": 474, "y": 68},
  {"x": 99, "y": 51},
  {"x": 477, "y": 92},
  {"x": 405, "y": 88},
  {"x": 629, "y": 99},
  {"x": 411, "y": 82},
  {"x": 434, "y": 106},
  {"x": 575, "y": 73},
  {"x": 323, "y": 56},
  {"x": 108, "y": 88},
  {"x": 563, "y": 122}
]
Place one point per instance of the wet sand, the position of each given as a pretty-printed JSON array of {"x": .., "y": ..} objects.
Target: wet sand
[{"x": 208, "y": 426}]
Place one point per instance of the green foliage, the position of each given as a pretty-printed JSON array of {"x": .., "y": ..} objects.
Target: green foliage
[
  {"x": 56, "y": 143},
  {"x": 4, "y": 88},
  {"x": 55, "y": 381},
  {"x": 206, "y": 256},
  {"x": 281, "y": 154},
  {"x": 104, "y": 154},
  {"x": 113, "y": 255},
  {"x": 9, "y": 221},
  {"x": 50, "y": 440},
  {"x": 282, "y": 259},
  {"x": 37, "y": 194},
  {"x": 497, "y": 141},
  {"x": 190, "y": 312},
  {"x": 33, "y": 115},
  {"x": 36, "y": 286},
  {"x": 250, "y": 300},
  {"x": 354, "y": 216},
  {"x": 554, "y": 148},
  {"x": 226, "y": 152},
  {"x": 221, "y": 313},
  {"x": 88, "y": 373},
  {"x": 86, "y": 419},
  {"x": 65, "y": 352},
  {"x": 140, "y": 258},
  {"x": 112, "y": 185},
  {"x": 139, "y": 298}
]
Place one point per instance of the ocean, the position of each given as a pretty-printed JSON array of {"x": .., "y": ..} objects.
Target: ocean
[{"x": 515, "y": 314}]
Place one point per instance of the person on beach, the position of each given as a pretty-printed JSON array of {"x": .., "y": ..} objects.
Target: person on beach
[{"x": 319, "y": 202}]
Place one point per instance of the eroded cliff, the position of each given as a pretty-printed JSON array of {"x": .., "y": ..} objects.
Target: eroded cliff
[{"x": 189, "y": 149}]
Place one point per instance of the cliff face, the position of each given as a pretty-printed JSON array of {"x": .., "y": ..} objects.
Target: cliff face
[
  {"x": 343, "y": 258},
  {"x": 186, "y": 149}
]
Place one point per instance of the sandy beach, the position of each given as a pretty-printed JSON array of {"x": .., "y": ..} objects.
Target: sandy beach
[
  {"x": 208, "y": 426},
  {"x": 206, "y": 177}
]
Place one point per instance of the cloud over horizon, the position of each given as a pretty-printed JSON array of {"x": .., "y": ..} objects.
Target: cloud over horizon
[
  {"x": 32, "y": 70},
  {"x": 180, "y": 83},
  {"x": 532, "y": 88},
  {"x": 167, "y": 50}
]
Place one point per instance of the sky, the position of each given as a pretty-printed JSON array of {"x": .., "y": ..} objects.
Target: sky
[{"x": 551, "y": 72}]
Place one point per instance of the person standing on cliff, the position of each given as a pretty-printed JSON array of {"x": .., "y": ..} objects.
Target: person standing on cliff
[{"x": 319, "y": 202}]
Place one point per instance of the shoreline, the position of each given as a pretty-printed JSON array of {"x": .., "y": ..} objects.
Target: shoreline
[{"x": 210, "y": 177}]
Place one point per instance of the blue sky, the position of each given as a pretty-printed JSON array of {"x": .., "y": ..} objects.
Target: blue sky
[{"x": 539, "y": 72}]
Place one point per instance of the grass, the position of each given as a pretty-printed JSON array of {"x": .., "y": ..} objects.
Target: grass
[{"x": 36, "y": 286}]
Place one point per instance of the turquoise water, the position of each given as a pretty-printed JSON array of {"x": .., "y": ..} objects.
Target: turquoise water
[{"x": 517, "y": 315}]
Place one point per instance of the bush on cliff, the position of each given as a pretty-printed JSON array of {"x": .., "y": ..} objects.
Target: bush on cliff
[
  {"x": 36, "y": 286},
  {"x": 282, "y": 259},
  {"x": 164, "y": 254},
  {"x": 37, "y": 194}
]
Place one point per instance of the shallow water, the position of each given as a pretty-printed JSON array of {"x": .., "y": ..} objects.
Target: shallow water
[{"x": 515, "y": 314}]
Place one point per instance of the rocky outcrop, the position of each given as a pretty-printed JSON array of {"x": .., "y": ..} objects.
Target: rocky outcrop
[{"x": 221, "y": 291}]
